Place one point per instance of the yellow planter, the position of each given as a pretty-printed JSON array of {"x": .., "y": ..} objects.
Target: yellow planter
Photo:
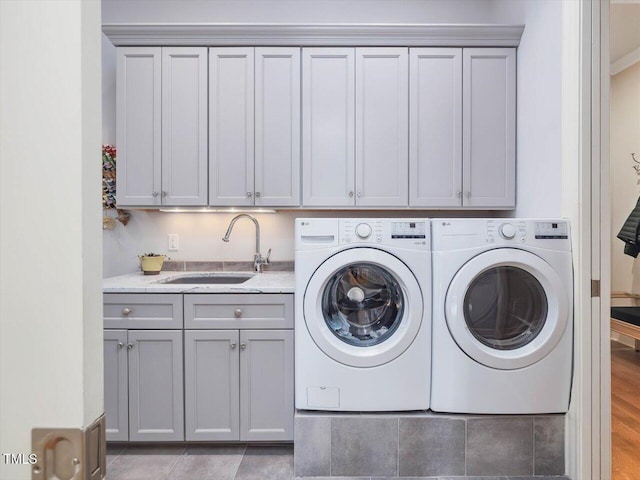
[{"x": 151, "y": 265}]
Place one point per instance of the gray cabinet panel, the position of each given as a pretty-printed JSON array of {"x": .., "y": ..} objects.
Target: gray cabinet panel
[
  {"x": 231, "y": 126},
  {"x": 142, "y": 310},
  {"x": 184, "y": 126},
  {"x": 156, "y": 409},
  {"x": 138, "y": 125},
  {"x": 382, "y": 126},
  {"x": 212, "y": 375},
  {"x": 435, "y": 161},
  {"x": 277, "y": 126},
  {"x": 328, "y": 126},
  {"x": 230, "y": 311},
  {"x": 116, "y": 389},
  {"x": 489, "y": 127},
  {"x": 266, "y": 385}
]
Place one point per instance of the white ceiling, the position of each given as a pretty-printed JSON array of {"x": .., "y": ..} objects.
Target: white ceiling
[{"x": 624, "y": 29}]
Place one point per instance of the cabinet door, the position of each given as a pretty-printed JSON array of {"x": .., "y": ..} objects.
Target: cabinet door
[
  {"x": 266, "y": 385},
  {"x": 231, "y": 126},
  {"x": 489, "y": 132},
  {"x": 116, "y": 399},
  {"x": 138, "y": 120},
  {"x": 184, "y": 126},
  {"x": 277, "y": 124},
  {"x": 328, "y": 124},
  {"x": 212, "y": 376},
  {"x": 156, "y": 407},
  {"x": 382, "y": 130},
  {"x": 435, "y": 90}
]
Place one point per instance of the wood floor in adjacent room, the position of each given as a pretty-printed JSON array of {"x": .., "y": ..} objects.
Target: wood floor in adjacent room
[{"x": 625, "y": 412}]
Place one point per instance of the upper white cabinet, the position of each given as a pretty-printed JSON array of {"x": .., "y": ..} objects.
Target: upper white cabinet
[
  {"x": 161, "y": 126},
  {"x": 489, "y": 127},
  {"x": 355, "y": 126},
  {"x": 254, "y": 94},
  {"x": 435, "y": 159},
  {"x": 462, "y": 117},
  {"x": 382, "y": 126}
]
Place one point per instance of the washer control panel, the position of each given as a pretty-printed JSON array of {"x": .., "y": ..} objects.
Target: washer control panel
[
  {"x": 411, "y": 233},
  {"x": 506, "y": 230},
  {"x": 552, "y": 230}
]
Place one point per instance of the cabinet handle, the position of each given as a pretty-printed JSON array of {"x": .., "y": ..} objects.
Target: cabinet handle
[
  {"x": 129, "y": 346},
  {"x": 164, "y": 194},
  {"x": 237, "y": 313},
  {"x": 155, "y": 194},
  {"x": 243, "y": 346},
  {"x": 249, "y": 194},
  {"x": 350, "y": 194},
  {"x": 120, "y": 345},
  {"x": 232, "y": 345},
  {"x": 458, "y": 194},
  {"x": 468, "y": 194},
  {"x": 126, "y": 311},
  {"x": 257, "y": 194},
  {"x": 359, "y": 194}
]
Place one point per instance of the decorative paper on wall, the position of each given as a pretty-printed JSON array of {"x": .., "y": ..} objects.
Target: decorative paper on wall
[{"x": 108, "y": 176}]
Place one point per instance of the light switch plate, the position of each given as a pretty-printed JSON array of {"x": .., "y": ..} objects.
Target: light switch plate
[{"x": 173, "y": 241}]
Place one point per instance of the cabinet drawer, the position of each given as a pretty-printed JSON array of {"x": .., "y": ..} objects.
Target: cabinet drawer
[
  {"x": 232, "y": 311},
  {"x": 142, "y": 310}
]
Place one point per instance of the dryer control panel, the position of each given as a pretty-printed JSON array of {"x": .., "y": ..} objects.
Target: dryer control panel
[{"x": 406, "y": 232}]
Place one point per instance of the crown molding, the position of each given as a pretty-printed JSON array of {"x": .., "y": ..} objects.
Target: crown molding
[{"x": 235, "y": 34}]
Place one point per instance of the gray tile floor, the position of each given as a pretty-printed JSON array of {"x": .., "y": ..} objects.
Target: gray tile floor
[{"x": 204, "y": 462}]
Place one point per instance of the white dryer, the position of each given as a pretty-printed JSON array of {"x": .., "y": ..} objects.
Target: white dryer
[
  {"x": 362, "y": 326},
  {"x": 502, "y": 316}
]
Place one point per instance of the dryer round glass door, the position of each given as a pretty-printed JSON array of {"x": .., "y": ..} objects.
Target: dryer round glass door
[
  {"x": 363, "y": 307},
  {"x": 507, "y": 308}
]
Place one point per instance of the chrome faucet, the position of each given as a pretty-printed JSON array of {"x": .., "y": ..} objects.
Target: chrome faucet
[{"x": 258, "y": 259}]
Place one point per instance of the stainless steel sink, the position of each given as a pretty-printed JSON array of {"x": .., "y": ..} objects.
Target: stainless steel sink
[{"x": 210, "y": 279}]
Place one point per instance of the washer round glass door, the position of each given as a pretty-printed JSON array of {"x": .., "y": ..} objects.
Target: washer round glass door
[
  {"x": 506, "y": 308},
  {"x": 363, "y": 307}
]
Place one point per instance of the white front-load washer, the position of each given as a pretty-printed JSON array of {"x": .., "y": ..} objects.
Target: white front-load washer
[
  {"x": 502, "y": 316},
  {"x": 362, "y": 324}
]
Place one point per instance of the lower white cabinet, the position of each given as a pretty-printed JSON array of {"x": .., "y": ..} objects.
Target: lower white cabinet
[
  {"x": 239, "y": 385},
  {"x": 143, "y": 385}
]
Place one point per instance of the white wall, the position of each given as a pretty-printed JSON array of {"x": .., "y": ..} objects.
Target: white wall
[
  {"x": 539, "y": 143},
  {"x": 50, "y": 273},
  {"x": 538, "y": 147},
  {"x": 625, "y": 184}
]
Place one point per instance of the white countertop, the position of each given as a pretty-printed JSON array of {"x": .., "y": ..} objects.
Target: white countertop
[{"x": 268, "y": 282}]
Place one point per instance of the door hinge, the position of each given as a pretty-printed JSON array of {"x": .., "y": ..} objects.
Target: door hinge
[{"x": 595, "y": 288}]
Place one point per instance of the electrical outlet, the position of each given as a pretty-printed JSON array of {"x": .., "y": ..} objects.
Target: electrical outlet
[{"x": 173, "y": 242}]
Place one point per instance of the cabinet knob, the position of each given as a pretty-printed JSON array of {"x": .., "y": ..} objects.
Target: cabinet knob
[
  {"x": 257, "y": 194},
  {"x": 232, "y": 345},
  {"x": 359, "y": 194},
  {"x": 350, "y": 194},
  {"x": 468, "y": 194},
  {"x": 243, "y": 346},
  {"x": 238, "y": 313},
  {"x": 155, "y": 194},
  {"x": 249, "y": 194},
  {"x": 458, "y": 194},
  {"x": 120, "y": 345},
  {"x": 164, "y": 194},
  {"x": 126, "y": 311},
  {"x": 129, "y": 346}
]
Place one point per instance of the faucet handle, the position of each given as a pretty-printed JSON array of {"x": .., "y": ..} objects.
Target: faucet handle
[{"x": 266, "y": 260}]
